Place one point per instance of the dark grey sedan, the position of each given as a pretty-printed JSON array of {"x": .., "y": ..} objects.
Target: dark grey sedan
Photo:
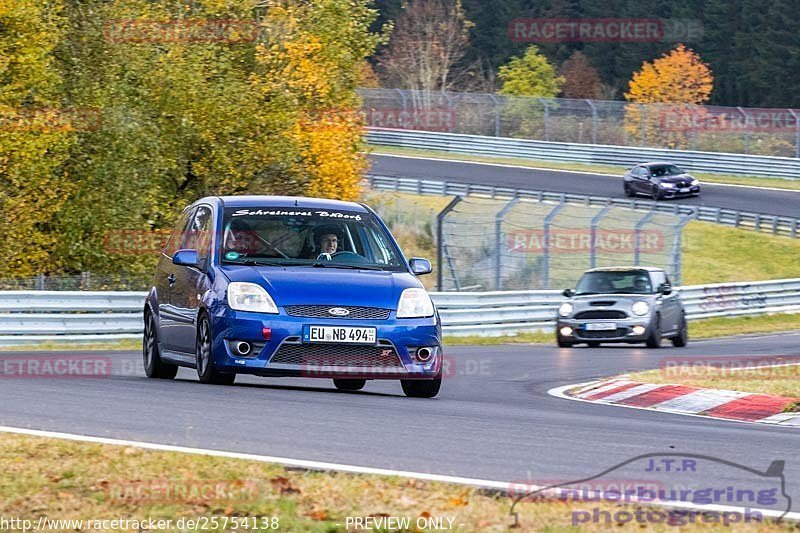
[
  {"x": 660, "y": 181},
  {"x": 622, "y": 304}
]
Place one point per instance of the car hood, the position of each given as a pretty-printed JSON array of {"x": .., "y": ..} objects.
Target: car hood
[
  {"x": 599, "y": 302},
  {"x": 680, "y": 178},
  {"x": 327, "y": 286}
]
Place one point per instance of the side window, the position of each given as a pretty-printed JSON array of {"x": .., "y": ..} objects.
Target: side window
[
  {"x": 199, "y": 235},
  {"x": 176, "y": 238},
  {"x": 658, "y": 278}
]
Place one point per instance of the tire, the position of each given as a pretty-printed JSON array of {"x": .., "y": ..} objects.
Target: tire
[
  {"x": 563, "y": 344},
  {"x": 349, "y": 384},
  {"x": 154, "y": 367},
  {"x": 206, "y": 371},
  {"x": 627, "y": 188},
  {"x": 656, "y": 194},
  {"x": 682, "y": 338},
  {"x": 593, "y": 344},
  {"x": 417, "y": 388},
  {"x": 654, "y": 340}
]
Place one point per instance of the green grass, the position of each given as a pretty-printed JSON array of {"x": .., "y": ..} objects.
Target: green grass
[
  {"x": 750, "y": 181},
  {"x": 63, "y": 480}
]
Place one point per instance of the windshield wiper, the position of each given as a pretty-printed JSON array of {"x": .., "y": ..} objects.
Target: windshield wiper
[
  {"x": 253, "y": 262},
  {"x": 327, "y": 264}
]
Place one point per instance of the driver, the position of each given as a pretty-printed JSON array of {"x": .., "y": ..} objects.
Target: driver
[
  {"x": 328, "y": 243},
  {"x": 641, "y": 284}
]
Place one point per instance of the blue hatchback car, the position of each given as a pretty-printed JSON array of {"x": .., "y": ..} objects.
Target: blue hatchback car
[{"x": 284, "y": 286}]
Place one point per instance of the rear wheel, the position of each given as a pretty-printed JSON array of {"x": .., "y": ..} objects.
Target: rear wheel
[
  {"x": 419, "y": 388},
  {"x": 154, "y": 367},
  {"x": 349, "y": 384},
  {"x": 654, "y": 340},
  {"x": 682, "y": 338},
  {"x": 206, "y": 371}
]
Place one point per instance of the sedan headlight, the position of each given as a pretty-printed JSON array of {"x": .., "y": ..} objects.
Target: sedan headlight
[
  {"x": 565, "y": 309},
  {"x": 665, "y": 185},
  {"x": 640, "y": 308},
  {"x": 695, "y": 182},
  {"x": 414, "y": 303},
  {"x": 250, "y": 297}
]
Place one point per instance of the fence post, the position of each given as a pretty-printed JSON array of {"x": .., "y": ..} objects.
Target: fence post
[
  {"x": 496, "y": 103},
  {"x": 637, "y": 233},
  {"x": 548, "y": 220},
  {"x": 498, "y": 259},
  {"x": 594, "y": 120},
  {"x": 677, "y": 254},
  {"x": 593, "y": 235},
  {"x": 440, "y": 240},
  {"x": 797, "y": 134},
  {"x": 546, "y": 119}
]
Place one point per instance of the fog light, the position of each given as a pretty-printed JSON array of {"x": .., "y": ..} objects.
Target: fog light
[
  {"x": 638, "y": 330},
  {"x": 566, "y": 331},
  {"x": 424, "y": 354}
]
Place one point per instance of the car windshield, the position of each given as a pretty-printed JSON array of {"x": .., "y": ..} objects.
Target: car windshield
[
  {"x": 279, "y": 236},
  {"x": 615, "y": 282},
  {"x": 659, "y": 171}
]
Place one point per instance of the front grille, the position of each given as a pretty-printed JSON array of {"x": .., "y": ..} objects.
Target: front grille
[
  {"x": 619, "y": 332},
  {"x": 600, "y": 314},
  {"x": 321, "y": 311},
  {"x": 381, "y": 356},
  {"x": 602, "y": 303}
]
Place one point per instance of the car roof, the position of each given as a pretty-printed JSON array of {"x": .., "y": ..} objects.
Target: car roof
[
  {"x": 626, "y": 268},
  {"x": 656, "y": 164},
  {"x": 285, "y": 201}
]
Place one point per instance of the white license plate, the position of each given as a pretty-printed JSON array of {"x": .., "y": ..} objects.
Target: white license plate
[
  {"x": 345, "y": 335},
  {"x": 601, "y": 326},
  {"x": 685, "y": 189}
]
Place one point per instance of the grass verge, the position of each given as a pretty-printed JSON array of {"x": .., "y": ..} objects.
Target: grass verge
[
  {"x": 749, "y": 181},
  {"x": 64, "y": 480}
]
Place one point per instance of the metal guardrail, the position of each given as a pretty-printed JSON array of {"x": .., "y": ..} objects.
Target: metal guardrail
[
  {"x": 778, "y": 225},
  {"x": 484, "y": 314},
  {"x": 712, "y": 162}
]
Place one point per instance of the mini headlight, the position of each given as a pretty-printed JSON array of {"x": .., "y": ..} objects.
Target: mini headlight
[
  {"x": 565, "y": 309},
  {"x": 667, "y": 185},
  {"x": 414, "y": 303},
  {"x": 640, "y": 308},
  {"x": 250, "y": 297}
]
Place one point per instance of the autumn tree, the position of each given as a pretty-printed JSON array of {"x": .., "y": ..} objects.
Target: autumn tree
[
  {"x": 430, "y": 38},
  {"x": 530, "y": 75},
  {"x": 581, "y": 79},
  {"x": 680, "y": 79}
]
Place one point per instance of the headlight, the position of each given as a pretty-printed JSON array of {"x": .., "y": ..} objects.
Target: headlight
[
  {"x": 640, "y": 308},
  {"x": 695, "y": 182},
  {"x": 565, "y": 309},
  {"x": 667, "y": 185},
  {"x": 250, "y": 297},
  {"x": 414, "y": 303}
]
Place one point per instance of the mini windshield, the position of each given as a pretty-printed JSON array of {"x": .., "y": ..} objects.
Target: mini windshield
[
  {"x": 273, "y": 236},
  {"x": 659, "y": 171},
  {"x": 615, "y": 282}
]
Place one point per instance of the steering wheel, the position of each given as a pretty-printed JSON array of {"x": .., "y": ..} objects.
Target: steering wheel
[{"x": 348, "y": 256}]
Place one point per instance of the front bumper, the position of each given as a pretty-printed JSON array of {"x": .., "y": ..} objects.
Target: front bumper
[
  {"x": 622, "y": 333},
  {"x": 286, "y": 354},
  {"x": 676, "y": 192}
]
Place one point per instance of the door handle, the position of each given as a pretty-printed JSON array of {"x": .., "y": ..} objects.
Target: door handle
[{"x": 171, "y": 279}]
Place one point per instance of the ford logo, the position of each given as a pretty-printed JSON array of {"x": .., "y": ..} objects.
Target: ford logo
[{"x": 338, "y": 311}]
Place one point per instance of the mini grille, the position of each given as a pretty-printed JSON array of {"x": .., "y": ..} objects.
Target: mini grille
[
  {"x": 604, "y": 314},
  {"x": 321, "y": 311},
  {"x": 619, "y": 332},
  {"x": 602, "y": 303},
  {"x": 336, "y": 355}
]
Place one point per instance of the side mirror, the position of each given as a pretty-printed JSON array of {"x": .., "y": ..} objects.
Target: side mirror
[
  {"x": 420, "y": 266},
  {"x": 665, "y": 289},
  {"x": 185, "y": 258},
  {"x": 569, "y": 293}
]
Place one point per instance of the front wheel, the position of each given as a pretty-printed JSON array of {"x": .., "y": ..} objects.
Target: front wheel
[
  {"x": 349, "y": 384},
  {"x": 682, "y": 338},
  {"x": 654, "y": 340},
  {"x": 564, "y": 344},
  {"x": 593, "y": 344},
  {"x": 417, "y": 388},
  {"x": 656, "y": 193},
  {"x": 206, "y": 371},
  {"x": 628, "y": 190},
  {"x": 154, "y": 367}
]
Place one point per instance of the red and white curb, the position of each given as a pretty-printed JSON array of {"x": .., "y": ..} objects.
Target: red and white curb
[{"x": 680, "y": 399}]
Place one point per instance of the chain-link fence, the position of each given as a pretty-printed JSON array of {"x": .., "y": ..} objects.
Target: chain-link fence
[
  {"x": 774, "y": 132},
  {"x": 487, "y": 244}
]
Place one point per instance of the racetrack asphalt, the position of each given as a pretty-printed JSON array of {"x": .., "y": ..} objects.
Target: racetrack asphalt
[
  {"x": 749, "y": 199},
  {"x": 493, "y": 419}
]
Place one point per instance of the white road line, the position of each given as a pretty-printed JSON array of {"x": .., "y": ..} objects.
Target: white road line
[
  {"x": 506, "y": 165},
  {"x": 503, "y": 486}
]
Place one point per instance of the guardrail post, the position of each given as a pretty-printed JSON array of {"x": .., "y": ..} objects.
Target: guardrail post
[
  {"x": 548, "y": 220},
  {"x": 440, "y": 239},
  {"x": 639, "y": 225},
  {"x": 593, "y": 235},
  {"x": 794, "y": 228},
  {"x": 498, "y": 259}
]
